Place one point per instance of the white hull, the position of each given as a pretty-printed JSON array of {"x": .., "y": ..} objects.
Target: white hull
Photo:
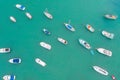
[
  {"x": 39, "y": 61},
  {"x": 113, "y": 17},
  {"x": 12, "y": 19},
  {"x": 85, "y": 44},
  {"x": 45, "y": 45},
  {"x": 4, "y": 50},
  {"x": 28, "y": 15},
  {"x": 104, "y": 51},
  {"x": 19, "y": 6},
  {"x": 48, "y": 15},
  {"x": 90, "y": 28},
  {"x": 100, "y": 70},
  {"x": 69, "y": 27},
  {"x": 12, "y": 61},
  {"x": 108, "y": 35},
  {"x": 62, "y": 40},
  {"x": 9, "y": 77}
]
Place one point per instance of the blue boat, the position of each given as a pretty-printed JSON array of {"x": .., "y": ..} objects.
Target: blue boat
[
  {"x": 15, "y": 60},
  {"x": 69, "y": 27},
  {"x": 9, "y": 77},
  {"x": 21, "y": 7},
  {"x": 46, "y": 31}
]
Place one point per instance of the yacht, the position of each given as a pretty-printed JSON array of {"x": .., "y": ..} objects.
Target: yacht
[
  {"x": 20, "y": 7},
  {"x": 69, "y": 27},
  {"x": 90, "y": 28},
  {"x": 28, "y": 15},
  {"x": 84, "y": 43},
  {"x": 108, "y": 34},
  {"x": 4, "y": 50},
  {"x": 62, "y": 40},
  {"x": 100, "y": 70},
  {"x": 9, "y": 77},
  {"x": 45, "y": 45},
  {"x": 39, "y": 61},
  {"x": 46, "y": 31},
  {"x": 47, "y": 14},
  {"x": 109, "y": 16},
  {"x": 15, "y": 60}
]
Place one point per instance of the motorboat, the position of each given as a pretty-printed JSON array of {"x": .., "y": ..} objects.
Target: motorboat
[
  {"x": 45, "y": 45},
  {"x": 15, "y": 60},
  {"x": 28, "y": 15},
  {"x": 12, "y": 19},
  {"x": 39, "y": 61},
  {"x": 90, "y": 28},
  {"x": 46, "y": 31},
  {"x": 84, "y": 43},
  {"x": 108, "y": 34},
  {"x": 47, "y": 14},
  {"x": 62, "y": 40},
  {"x": 113, "y": 77},
  {"x": 109, "y": 16},
  {"x": 69, "y": 27},
  {"x": 104, "y": 51},
  {"x": 9, "y": 77},
  {"x": 100, "y": 70},
  {"x": 4, "y": 50},
  {"x": 20, "y": 7}
]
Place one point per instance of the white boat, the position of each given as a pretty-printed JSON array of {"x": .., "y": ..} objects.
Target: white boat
[
  {"x": 46, "y": 31},
  {"x": 12, "y": 19},
  {"x": 84, "y": 43},
  {"x": 45, "y": 45},
  {"x": 108, "y": 16},
  {"x": 104, "y": 51},
  {"x": 39, "y": 61},
  {"x": 47, "y": 14},
  {"x": 28, "y": 15},
  {"x": 9, "y": 77},
  {"x": 4, "y": 50},
  {"x": 100, "y": 70},
  {"x": 108, "y": 35},
  {"x": 15, "y": 60},
  {"x": 69, "y": 27},
  {"x": 90, "y": 28},
  {"x": 62, "y": 40},
  {"x": 21, "y": 7}
]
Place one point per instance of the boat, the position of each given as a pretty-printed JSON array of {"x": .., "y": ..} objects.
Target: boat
[
  {"x": 9, "y": 77},
  {"x": 45, "y": 45},
  {"x": 39, "y": 61},
  {"x": 90, "y": 28},
  {"x": 100, "y": 70},
  {"x": 15, "y": 60},
  {"x": 113, "y": 77},
  {"x": 21, "y": 7},
  {"x": 108, "y": 35},
  {"x": 4, "y": 50},
  {"x": 84, "y": 43},
  {"x": 12, "y": 19},
  {"x": 46, "y": 31},
  {"x": 62, "y": 40},
  {"x": 47, "y": 14},
  {"x": 69, "y": 27},
  {"x": 104, "y": 51},
  {"x": 28, "y": 15},
  {"x": 109, "y": 16}
]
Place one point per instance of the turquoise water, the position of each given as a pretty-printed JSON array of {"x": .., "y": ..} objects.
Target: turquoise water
[{"x": 64, "y": 62}]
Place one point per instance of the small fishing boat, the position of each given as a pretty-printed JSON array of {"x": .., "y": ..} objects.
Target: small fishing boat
[
  {"x": 28, "y": 15},
  {"x": 46, "y": 31},
  {"x": 47, "y": 14},
  {"x": 108, "y": 35},
  {"x": 9, "y": 77},
  {"x": 21, "y": 7},
  {"x": 113, "y": 77},
  {"x": 100, "y": 70},
  {"x": 69, "y": 27},
  {"x": 12, "y": 19},
  {"x": 90, "y": 28},
  {"x": 104, "y": 51},
  {"x": 62, "y": 40},
  {"x": 39, "y": 61},
  {"x": 15, "y": 60},
  {"x": 45, "y": 45},
  {"x": 109, "y": 16},
  {"x": 84, "y": 43},
  {"x": 4, "y": 50}
]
